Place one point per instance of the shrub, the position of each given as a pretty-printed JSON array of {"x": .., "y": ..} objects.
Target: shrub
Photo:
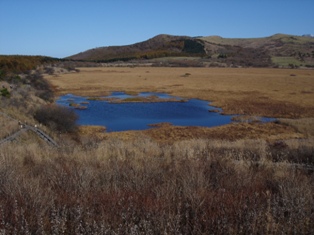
[
  {"x": 59, "y": 118},
  {"x": 4, "y": 92},
  {"x": 49, "y": 70},
  {"x": 43, "y": 88},
  {"x": 2, "y": 74},
  {"x": 222, "y": 56}
]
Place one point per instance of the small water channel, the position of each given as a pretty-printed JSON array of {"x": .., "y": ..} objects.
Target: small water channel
[{"x": 120, "y": 116}]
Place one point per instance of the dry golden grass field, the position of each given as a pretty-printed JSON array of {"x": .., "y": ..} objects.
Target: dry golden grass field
[
  {"x": 236, "y": 90},
  {"x": 241, "y": 178},
  {"x": 281, "y": 93}
]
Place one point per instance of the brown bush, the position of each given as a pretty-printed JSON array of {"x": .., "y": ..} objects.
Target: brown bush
[{"x": 59, "y": 118}]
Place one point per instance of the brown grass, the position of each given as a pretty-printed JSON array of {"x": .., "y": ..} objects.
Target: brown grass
[
  {"x": 283, "y": 93},
  {"x": 244, "y": 178},
  {"x": 166, "y": 133},
  {"x": 251, "y": 91},
  {"x": 7, "y": 126},
  {"x": 141, "y": 187},
  {"x": 304, "y": 125}
]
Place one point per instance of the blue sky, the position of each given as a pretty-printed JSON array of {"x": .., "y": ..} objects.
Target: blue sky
[{"x": 61, "y": 28}]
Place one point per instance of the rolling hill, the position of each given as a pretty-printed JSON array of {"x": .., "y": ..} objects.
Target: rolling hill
[
  {"x": 277, "y": 50},
  {"x": 159, "y": 46}
]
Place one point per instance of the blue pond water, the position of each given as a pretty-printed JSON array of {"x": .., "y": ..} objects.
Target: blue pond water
[{"x": 138, "y": 116}]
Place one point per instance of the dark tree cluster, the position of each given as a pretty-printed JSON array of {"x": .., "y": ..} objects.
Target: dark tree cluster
[
  {"x": 4, "y": 92},
  {"x": 43, "y": 88},
  {"x": 59, "y": 118},
  {"x": 194, "y": 47}
]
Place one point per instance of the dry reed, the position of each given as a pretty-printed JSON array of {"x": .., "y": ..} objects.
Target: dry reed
[{"x": 142, "y": 187}]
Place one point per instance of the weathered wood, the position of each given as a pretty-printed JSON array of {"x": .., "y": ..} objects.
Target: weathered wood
[{"x": 24, "y": 128}]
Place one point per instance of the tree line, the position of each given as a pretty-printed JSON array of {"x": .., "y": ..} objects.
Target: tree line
[{"x": 21, "y": 64}]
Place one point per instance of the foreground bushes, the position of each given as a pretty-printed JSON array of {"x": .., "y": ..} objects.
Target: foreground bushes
[{"x": 192, "y": 187}]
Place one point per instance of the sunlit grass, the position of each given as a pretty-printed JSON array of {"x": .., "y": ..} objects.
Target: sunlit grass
[
  {"x": 249, "y": 91},
  {"x": 286, "y": 61},
  {"x": 242, "y": 178},
  {"x": 190, "y": 186}
]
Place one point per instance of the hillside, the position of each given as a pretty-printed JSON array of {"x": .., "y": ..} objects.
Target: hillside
[
  {"x": 159, "y": 46},
  {"x": 284, "y": 50},
  {"x": 277, "y": 50},
  {"x": 22, "y": 64}
]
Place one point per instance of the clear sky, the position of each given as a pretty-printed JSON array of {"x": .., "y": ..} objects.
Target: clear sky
[{"x": 61, "y": 28}]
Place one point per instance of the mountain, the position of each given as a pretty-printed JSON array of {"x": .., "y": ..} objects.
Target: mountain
[
  {"x": 159, "y": 46},
  {"x": 277, "y": 50}
]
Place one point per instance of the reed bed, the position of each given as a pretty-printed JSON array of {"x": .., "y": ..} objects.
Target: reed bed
[
  {"x": 142, "y": 187},
  {"x": 7, "y": 126},
  {"x": 247, "y": 91}
]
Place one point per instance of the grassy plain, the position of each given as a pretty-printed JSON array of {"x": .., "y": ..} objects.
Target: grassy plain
[
  {"x": 250, "y": 91},
  {"x": 242, "y": 178},
  {"x": 281, "y": 93}
]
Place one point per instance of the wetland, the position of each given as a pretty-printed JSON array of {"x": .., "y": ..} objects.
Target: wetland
[
  {"x": 120, "y": 111},
  {"x": 251, "y": 92}
]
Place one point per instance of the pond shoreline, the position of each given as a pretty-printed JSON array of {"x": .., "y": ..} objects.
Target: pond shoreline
[
  {"x": 138, "y": 99},
  {"x": 249, "y": 91},
  {"x": 121, "y": 112},
  {"x": 147, "y": 110}
]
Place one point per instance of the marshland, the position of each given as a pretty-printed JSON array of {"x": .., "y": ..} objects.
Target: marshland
[{"x": 245, "y": 177}]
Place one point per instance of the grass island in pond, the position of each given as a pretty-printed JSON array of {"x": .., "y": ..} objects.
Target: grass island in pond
[{"x": 121, "y": 112}]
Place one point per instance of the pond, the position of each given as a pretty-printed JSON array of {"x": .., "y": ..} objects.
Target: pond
[{"x": 117, "y": 113}]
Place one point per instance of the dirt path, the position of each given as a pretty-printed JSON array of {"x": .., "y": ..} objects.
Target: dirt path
[
  {"x": 24, "y": 128},
  {"x": 12, "y": 136}
]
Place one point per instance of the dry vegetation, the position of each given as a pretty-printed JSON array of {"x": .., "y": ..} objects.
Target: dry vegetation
[
  {"x": 141, "y": 187},
  {"x": 242, "y": 178},
  {"x": 304, "y": 125},
  {"x": 280, "y": 50},
  {"x": 166, "y": 133},
  {"x": 7, "y": 126},
  {"x": 261, "y": 92}
]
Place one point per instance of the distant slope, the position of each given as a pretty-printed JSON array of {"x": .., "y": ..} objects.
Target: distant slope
[
  {"x": 282, "y": 44},
  {"x": 277, "y": 50},
  {"x": 299, "y": 50},
  {"x": 159, "y": 46}
]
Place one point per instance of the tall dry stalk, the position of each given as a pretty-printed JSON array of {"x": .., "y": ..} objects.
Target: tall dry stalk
[{"x": 141, "y": 187}]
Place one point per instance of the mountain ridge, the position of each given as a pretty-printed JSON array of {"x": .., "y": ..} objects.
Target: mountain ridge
[{"x": 278, "y": 49}]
